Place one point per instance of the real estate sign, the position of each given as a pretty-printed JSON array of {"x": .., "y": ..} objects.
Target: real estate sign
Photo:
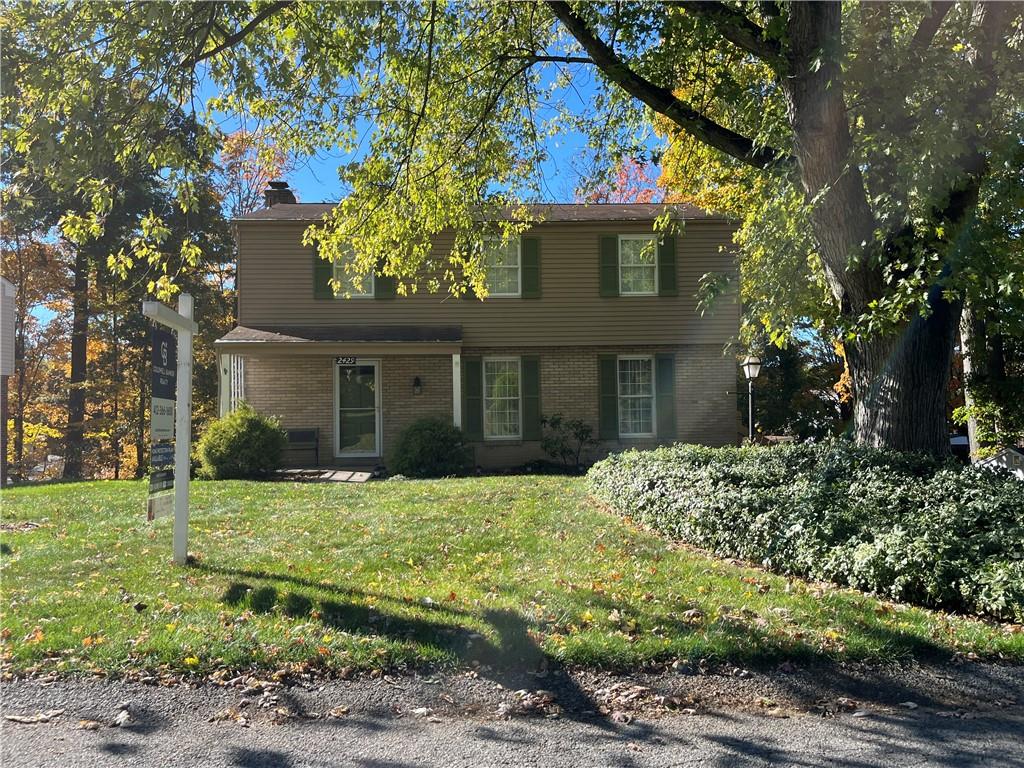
[
  {"x": 171, "y": 415},
  {"x": 164, "y": 355},
  {"x": 164, "y": 358}
]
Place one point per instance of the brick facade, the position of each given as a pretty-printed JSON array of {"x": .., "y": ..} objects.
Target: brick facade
[{"x": 300, "y": 392}]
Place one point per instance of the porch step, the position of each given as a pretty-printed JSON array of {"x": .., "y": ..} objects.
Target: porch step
[{"x": 323, "y": 475}]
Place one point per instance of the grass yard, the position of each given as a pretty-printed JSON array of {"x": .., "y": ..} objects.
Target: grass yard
[{"x": 497, "y": 569}]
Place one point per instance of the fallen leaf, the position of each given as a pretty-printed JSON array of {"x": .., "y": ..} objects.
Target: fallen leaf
[
  {"x": 908, "y": 704},
  {"x": 90, "y": 725},
  {"x": 38, "y": 717}
]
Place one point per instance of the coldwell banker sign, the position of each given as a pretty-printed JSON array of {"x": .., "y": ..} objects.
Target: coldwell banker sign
[
  {"x": 165, "y": 363},
  {"x": 164, "y": 358}
]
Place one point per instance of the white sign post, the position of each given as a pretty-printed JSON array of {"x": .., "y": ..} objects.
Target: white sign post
[{"x": 182, "y": 322}]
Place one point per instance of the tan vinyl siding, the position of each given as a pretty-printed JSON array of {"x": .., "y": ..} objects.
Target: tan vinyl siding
[{"x": 275, "y": 285}]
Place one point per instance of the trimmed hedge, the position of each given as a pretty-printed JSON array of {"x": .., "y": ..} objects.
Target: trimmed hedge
[
  {"x": 904, "y": 526},
  {"x": 242, "y": 445},
  {"x": 430, "y": 448}
]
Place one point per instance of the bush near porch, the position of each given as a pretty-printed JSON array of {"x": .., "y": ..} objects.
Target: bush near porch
[
  {"x": 902, "y": 526},
  {"x": 505, "y": 571}
]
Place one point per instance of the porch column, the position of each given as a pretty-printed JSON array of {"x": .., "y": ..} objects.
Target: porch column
[{"x": 457, "y": 389}]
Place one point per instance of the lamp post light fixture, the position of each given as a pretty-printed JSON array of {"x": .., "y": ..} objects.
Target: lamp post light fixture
[{"x": 751, "y": 369}]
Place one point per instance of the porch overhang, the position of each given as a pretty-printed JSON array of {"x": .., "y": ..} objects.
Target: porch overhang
[{"x": 363, "y": 340}]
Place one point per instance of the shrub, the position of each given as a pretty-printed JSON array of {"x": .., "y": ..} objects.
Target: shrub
[
  {"x": 243, "y": 444},
  {"x": 567, "y": 440},
  {"x": 903, "y": 526},
  {"x": 430, "y": 448}
]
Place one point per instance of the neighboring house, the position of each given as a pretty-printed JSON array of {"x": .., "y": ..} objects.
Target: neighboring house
[
  {"x": 590, "y": 315},
  {"x": 1011, "y": 459}
]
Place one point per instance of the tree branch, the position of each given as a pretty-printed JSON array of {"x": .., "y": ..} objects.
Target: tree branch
[
  {"x": 929, "y": 26},
  {"x": 234, "y": 39},
  {"x": 739, "y": 30},
  {"x": 536, "y": 58},
  {"x": 662, "y": 100}
]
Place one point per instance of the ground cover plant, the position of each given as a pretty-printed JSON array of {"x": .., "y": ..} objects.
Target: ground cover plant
[
  {"x": 906, "y": 527},
  {"x": 344, "y": 576}
]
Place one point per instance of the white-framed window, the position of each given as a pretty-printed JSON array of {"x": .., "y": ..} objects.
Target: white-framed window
[
  {"x": 350, "y": 286},
  {"x": 636, "y": 396},
  {"x": 503, "y": 411},
  {"x": 503, "y": 262},
  {"x": 638, "y": 265}
]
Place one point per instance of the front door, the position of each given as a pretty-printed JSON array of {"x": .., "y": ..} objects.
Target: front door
[{"x": 358, "y": 422}]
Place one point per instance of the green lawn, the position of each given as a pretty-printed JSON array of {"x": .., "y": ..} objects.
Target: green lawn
[{"x": 383, "y": 574}]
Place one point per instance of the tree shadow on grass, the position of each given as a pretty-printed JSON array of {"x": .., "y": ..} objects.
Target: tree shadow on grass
[
  {"x": 508, "y": 651},
  {"x": 512, "y": 658}
]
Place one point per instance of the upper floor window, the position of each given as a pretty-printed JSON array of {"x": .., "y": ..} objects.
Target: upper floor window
[
  {"x": 349, "y": 283},
  {"x": 636, "y": 396},
  {"x": 502, "y": 402},
  {"x": 638, "y": 265},
  {"x": 503, "y": 262}
]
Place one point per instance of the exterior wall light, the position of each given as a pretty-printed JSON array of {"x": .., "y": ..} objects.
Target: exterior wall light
[{"x": 417, "y": 385}]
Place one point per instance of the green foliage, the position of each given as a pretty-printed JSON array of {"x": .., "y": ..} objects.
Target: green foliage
[
  {"x": 795, "y": 391},
  {"x": 431, "y": 448},
  {"x": 243, "y": 444},
  {"x": 567, "y": 440},
  {"x": 900, "y": 525},
  {"x": 462, "y": 98}
]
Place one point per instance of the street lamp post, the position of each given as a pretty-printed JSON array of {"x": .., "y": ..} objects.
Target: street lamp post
[{"x": 751, "y": 369}]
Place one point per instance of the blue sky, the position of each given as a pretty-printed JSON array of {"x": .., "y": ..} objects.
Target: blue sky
[{"x": 315, "y": 179}]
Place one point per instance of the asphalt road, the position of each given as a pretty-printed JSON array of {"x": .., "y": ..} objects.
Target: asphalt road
[
  {"x": 740, "y": 740},
  {"x": 448, "y": 722}
]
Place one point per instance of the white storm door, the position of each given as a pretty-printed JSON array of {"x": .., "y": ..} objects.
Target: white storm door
[{"x": 357, "y": 421}]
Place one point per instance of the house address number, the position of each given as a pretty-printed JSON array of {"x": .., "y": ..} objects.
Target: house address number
[{"x": 345, "y": 360}]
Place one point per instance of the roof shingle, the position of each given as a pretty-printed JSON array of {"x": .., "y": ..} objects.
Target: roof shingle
[
  {"x": 344, "y": 333},
  {"x": 554, "y": 212}
]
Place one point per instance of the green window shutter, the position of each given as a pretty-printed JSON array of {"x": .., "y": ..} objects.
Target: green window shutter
[
  {"x": 322, "y": 271},
  {"x": 608, "y": 397},
  {"x": 384, "y": 287},
  {"x": 531, "y": 397},
  {"x": 531, "y": 267},
  {"x": 665, "y": 394},
  {"x": 667, "y": 267},
  {"x": 609, "y": 247},
  {"x": 473, "y": 398}
]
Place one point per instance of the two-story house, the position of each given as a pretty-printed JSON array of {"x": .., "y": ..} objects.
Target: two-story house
[{"x": 591, "y": 315}]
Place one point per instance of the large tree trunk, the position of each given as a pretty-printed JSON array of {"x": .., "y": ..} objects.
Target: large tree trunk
[
  {"x": 901, "y": 384},
  {"x": 140, "y": 418},
  {"x": 900, "y": 381},
  {"x": 74, "y": 437}
]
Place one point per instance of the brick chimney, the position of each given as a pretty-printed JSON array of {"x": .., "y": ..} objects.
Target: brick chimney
[{"x": 278, "y": 192}]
